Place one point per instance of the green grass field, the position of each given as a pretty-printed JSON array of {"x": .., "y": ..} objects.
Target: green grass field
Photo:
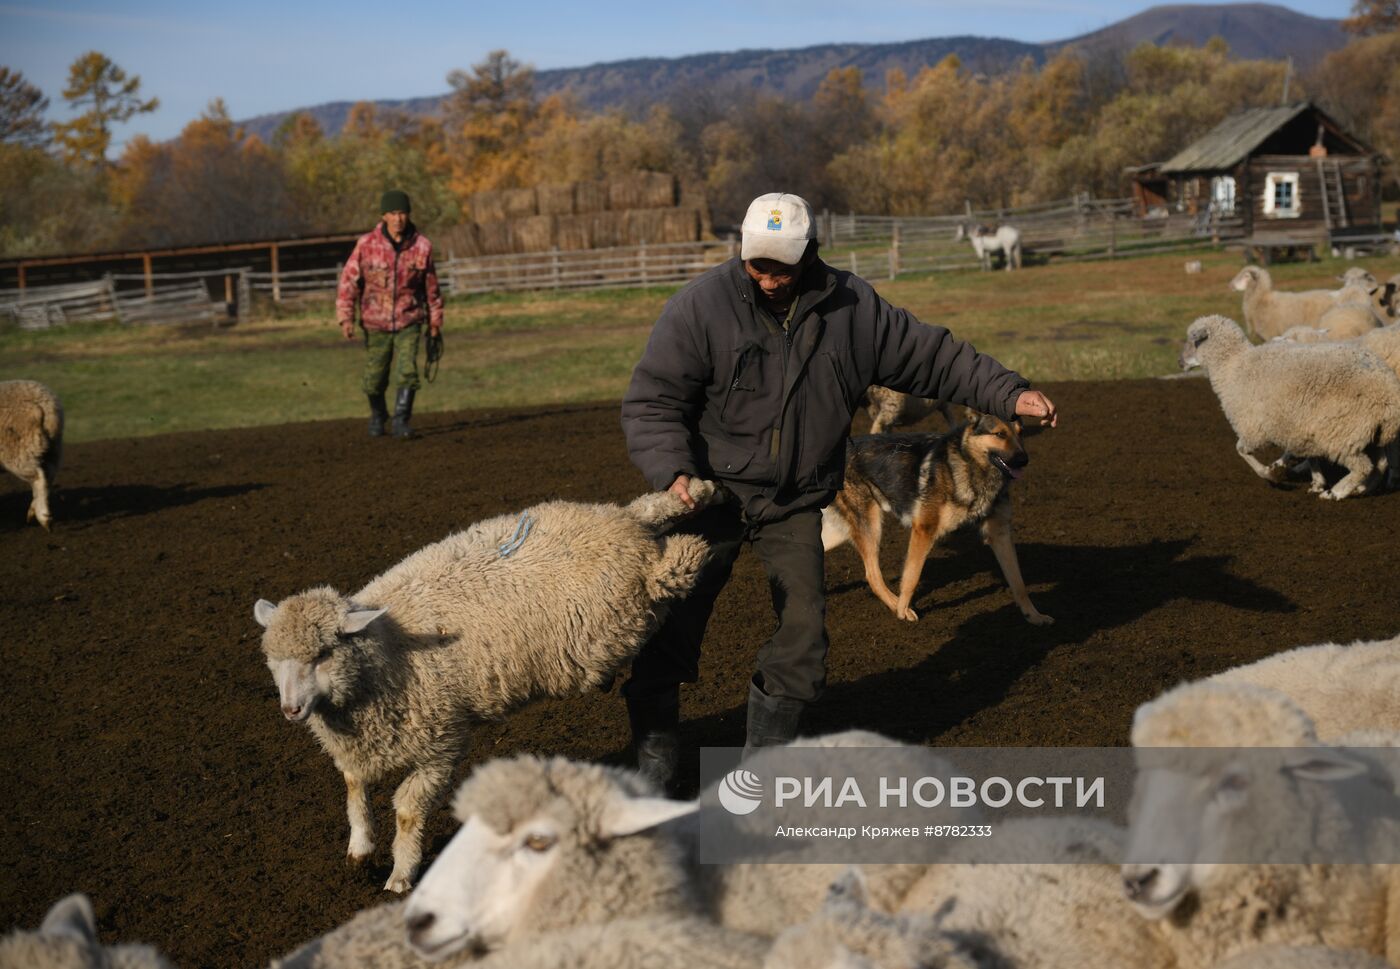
[{"x": 1084, "y": 321}]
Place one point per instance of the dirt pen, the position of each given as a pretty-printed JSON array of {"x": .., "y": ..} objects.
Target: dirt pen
[{"x": 146, "y": 763}]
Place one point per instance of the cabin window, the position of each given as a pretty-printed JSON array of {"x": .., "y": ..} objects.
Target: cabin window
[
  {"x": 1222, "y": 194},
  {"x": 1281, "y": 195}
]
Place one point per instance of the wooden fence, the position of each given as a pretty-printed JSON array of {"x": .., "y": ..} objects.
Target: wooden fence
[
  {"x": 128, "y": 298},
  {"x": 872, "y": 246}
]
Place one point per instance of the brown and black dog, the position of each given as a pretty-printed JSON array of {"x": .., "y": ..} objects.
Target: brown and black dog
[{"x": 935, "y": 484}]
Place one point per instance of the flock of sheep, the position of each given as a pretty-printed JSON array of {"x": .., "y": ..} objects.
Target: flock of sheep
[
  {"x": 559, "y": 863},
  {"x": 562, "y": 863},
  {"x": 1324, "y": 386}
]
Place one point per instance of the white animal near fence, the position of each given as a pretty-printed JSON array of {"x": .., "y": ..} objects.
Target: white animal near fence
[{"x": 1004, "y": 239}]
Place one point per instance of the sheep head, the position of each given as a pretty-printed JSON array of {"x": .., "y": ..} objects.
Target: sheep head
[
  {"x": 1249, "y": 277},
  {"x": 546, "y": 844},
  {"x": 67, "y": 939},
  {"x": 306, "y": 640},
  {"x": 1211, "y": 338},
  {"x": 1200, "y": 817}
]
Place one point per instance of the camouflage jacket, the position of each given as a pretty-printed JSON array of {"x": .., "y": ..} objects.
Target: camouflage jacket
[{"x": 395, "y": 289}]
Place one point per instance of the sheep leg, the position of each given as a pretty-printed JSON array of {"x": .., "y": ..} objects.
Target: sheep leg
[
  {"x": 996, "y": 532},
  {"x": 661, "y": 508},
  {"x": 361, "y": 820},
  {"x": 1249, "y": 459},
  {"x": 39, "y": 500},
  {"x": 1358, "y": 467},
  {"x": 414, "y": 799}
]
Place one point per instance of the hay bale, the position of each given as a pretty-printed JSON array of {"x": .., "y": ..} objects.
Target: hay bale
[
  {"x": 642, "y": 190},
  {"x": 679, "y": 225},
  {"x": 488, "y": 207},
  {"x": 457, "y": 242},
  {"x": 574, "y": 232},
  {"x": 519, "y": 202},
  {"x": 534, "y": 233},
  {"x": 590, "y": 197},
  {"x": 646, "y": 225},
  {"x": 609, "y": 229},
  {"x": 497, "y": 238},
  {"x": 555, "y": 199}
]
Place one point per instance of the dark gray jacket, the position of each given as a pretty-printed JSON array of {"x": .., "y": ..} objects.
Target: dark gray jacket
[{"x": 722, "y": 392}]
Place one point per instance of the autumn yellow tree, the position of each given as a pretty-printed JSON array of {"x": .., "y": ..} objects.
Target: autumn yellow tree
[
  {"x": 108, "y": 96},
  {"x": 490, "y": 118}
]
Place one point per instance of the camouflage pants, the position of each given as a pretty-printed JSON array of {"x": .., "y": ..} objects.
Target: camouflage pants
[{"x": 400, "y": 348}]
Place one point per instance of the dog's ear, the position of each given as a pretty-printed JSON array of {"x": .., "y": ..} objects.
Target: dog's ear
[
  {"x": 1016, "y": 423},
  {"x": 985, "y": 423}
]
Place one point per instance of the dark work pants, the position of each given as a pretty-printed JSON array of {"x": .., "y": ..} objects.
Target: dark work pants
[{"x": 793, "y": 661}]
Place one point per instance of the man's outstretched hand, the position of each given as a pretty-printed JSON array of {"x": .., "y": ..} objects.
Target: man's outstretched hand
[{"x": 1032, "y": 403}]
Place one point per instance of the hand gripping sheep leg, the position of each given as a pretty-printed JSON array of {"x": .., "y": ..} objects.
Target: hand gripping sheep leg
[{"x": 470, "y": 628}]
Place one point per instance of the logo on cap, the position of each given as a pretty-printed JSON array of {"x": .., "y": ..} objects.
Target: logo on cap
[{"x": 775, "y": 220}]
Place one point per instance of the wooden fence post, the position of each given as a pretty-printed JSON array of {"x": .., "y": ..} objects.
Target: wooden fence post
[
  {"x": 276, "y": 279},
  {"x": 146, "y": 269},
  {"x": 642, "y": 258},
  {"x": 554, "y": 267},
  {"x": 894, "y": 252},
  {"x": 1112, "y": 236},
  {"x": 245, "y": 295}
]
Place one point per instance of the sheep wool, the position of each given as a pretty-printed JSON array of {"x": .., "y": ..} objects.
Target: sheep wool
[
  {"x": 31, "y": 440},
  {"x": 1269, "y": 312},
  {"x": 67, "y": 939},
  {"x": 551, "y": 602},
  {"x": 1341, "y": 688},
  {"x": 1352, "y": 399},
  {"x": 1240, "y": 906}
]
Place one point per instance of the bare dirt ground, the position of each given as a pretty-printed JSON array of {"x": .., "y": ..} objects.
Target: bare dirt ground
[{"x": 144, "y": 759}]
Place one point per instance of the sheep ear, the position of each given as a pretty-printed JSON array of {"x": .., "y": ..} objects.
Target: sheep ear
[
  {"x": 262, "y": 612},
  {"x": 850, "y": 887},
  {"x": 357, "y": 619},
  {"x": 1326, "y": 767},
  {"x": 631, "y": 815},
  {"x": 72, "y": 918}
]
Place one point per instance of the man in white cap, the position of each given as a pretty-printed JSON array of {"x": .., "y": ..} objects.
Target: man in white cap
[{"x": 750, "y": 378}]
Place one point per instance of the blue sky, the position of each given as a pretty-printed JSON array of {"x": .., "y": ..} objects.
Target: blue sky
[{"x": 263, "y": 56}]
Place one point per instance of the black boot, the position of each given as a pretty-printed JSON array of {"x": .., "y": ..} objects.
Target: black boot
[
  {"x": 403, "y": 410},
  {"x": 655, "y": 721},
  {"x": 378, "y": 415},
  {"x": 772, "y": 719}
]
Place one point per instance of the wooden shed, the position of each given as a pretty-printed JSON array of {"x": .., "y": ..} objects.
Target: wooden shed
[{"x": 1289, "y": 172}]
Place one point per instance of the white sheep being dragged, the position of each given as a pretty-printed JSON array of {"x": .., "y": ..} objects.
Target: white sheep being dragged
[
  {"x": 67, "y": 939},
  {"x": 31, "y": 440},
  {"x": 1336, "y": 401},
  {"x": 549, "y": 603},
  {"x": 557, "y": 864},
  {"x": 1341, "y": 688},
  {"x": 1269, "y": 312},
  {"x": 1193, "y": 809}
]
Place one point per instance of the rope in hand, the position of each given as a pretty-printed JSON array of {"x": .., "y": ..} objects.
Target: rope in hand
[
  {"x": 434, "y": 352},
  {"x": 522, "y": 531}
]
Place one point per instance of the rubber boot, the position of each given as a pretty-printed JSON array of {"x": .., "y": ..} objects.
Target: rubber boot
[
  {"x": 772, "y": 719},
  {"x": 378, "y": 415},
  {"x": 403, "y": 410},
  {"x": 655, "y": 721}
]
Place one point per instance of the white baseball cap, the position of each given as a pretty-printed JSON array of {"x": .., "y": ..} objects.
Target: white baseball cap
[{"x": 777, "y": 226}]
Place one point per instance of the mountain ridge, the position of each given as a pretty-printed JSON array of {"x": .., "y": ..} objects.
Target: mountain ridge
[{"x": 1253, "y": 30}]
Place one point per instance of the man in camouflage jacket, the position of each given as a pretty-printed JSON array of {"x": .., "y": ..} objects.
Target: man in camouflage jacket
[{"x": 391, "y": 276}]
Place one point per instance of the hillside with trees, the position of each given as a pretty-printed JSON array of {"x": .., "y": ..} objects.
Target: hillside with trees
[{"x": 918, "y": 142}]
